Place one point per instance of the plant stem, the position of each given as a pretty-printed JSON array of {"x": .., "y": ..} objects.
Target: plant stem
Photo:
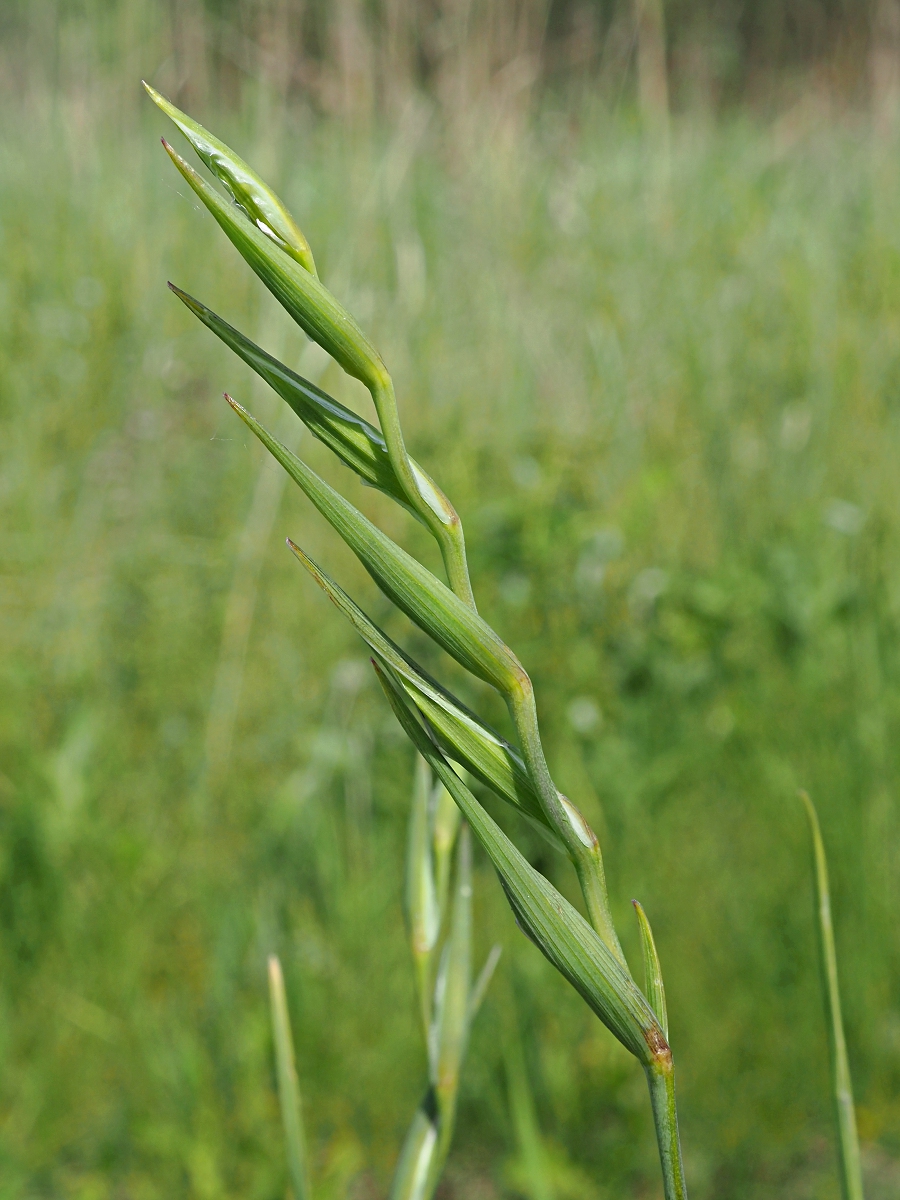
[
  {"x": 424, "y": 495},
  {"x": 288, "y": 1088},
  {"x": 579, "y": 839},
  {"x": 661, "y": 1078},
  {"x": 848, "y": 1140}
]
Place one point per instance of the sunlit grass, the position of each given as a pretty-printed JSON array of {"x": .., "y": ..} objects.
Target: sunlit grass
[{"x": 689, "y": 533}]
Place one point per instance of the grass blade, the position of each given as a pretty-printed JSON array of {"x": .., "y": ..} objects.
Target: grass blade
[
  {"x": 848, "y": 1139},
  {"x": 357, "y": 443},
  {"x": 415, "y": 591},
  {"x": 450, "y": 1029},
  {"x": 557, "y": 929},
  {"x": 256, "y": 198},
  {"x": 483, "y": 982},
  {"x": 653, "y": 980},
  {"x": 422, "y": 910},
  {"x": 288, "y": 1087},
  {"x": 445, "y": 828},
  {"x": 428, "y": 1139},
  {"x": 461, "y": 733}
]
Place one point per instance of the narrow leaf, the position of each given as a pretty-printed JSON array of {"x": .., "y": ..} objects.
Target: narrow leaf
[
  {"x": 483, "y": 982},
  {"x": 653, "y": 980},
  {"x": 556, "y": 928},
  {"x": 256, "y": 198},
  {"x": 461, "y": 734},
  {"x": 451, "y": 1009},
  {"x": 288, "y": 1088},
  {"x": 445, "y": 827},
  {"x": 422, "y": 910},
  {"x": 848, "y": 1139},
  {"x": 415, "y": 591},
  {"x": 357, "y": 443}
]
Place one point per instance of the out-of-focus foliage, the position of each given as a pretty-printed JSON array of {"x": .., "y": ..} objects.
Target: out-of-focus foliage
[
  {"x": 354, "y": 58},
  {"x": 665, "y": 397}
]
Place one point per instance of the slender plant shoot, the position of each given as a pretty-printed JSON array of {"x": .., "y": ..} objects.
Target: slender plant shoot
[
  {"x": 288, "y": 1087},
  {"x": 842, "y": 1085},
  {"x": 587, "y": 952}
]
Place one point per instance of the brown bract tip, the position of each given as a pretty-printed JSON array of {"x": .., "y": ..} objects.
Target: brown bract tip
[{"x": 658, "y": 1045}]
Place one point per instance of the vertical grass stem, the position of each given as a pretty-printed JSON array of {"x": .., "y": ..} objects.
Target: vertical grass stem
[
  {"x": 661, "y": 1079},
  {"x": 288, "y": 1087},
  {"x": 848, "y": 1139}
]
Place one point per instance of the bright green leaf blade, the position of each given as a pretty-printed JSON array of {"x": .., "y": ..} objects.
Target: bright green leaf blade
[
  {"x": 254, "y": 196},
  {"x": 288, "y": 1087},
  {"x": 311, "y": 305},
  {"x": 653, "y": 980},
  {"x": 422, "y": 910},
  {"x": 556, "y": 928},
  {"x": 848, "y": 1138},
  {"x": 462, "y": 735},
  {"x": 434, "y": 608},
  {"x": 357, "y": 444}
]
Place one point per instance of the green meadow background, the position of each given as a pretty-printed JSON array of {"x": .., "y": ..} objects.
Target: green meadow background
[{"x": 656, "y": 365}]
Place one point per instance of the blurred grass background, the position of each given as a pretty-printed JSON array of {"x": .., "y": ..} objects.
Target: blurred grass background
[{"x": 643, "y": 314}]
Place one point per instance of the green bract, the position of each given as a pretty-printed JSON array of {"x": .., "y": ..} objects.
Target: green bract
[
  {"x": 357, "y": 444},
  {"x": 310, "y": 303},
  {"x": 257, "y": 200},
  {"x": 556, "y": 928},
  {"x": 424, "y": 599},
  {"x": 461, "y": 733}
]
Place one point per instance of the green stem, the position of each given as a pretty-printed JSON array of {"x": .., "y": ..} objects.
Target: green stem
[
  {"x": 579, "y": 839},
  {"x": 661, "y": 1078},
  {"x": 424, "y": 494},
  {"x": 848, "y": 1139}
]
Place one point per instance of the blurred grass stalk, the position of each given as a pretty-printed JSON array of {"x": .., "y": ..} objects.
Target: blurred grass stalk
[
  {"x": 288, "y": 1087},
  {"x": 842, "y": 1084},
  {"x": 588, "y": 955},
  {"x": 448, "y": 1000}
]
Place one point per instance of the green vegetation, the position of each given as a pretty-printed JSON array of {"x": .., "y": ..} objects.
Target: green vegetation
[{"x": 688, "y": 530}]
